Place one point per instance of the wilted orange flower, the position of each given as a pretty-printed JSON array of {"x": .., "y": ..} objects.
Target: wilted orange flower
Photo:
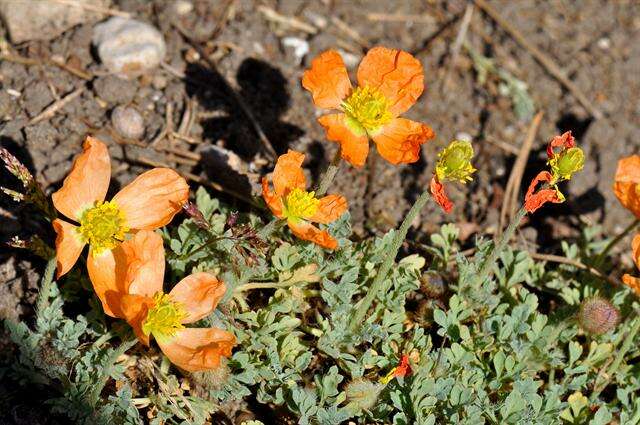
[
  {"x": 148, "y": 202},
  {"x": 454, "y": 164},
  {"x": 403, "y": 369},
  {"x": 389, "y": 83},
  {"x": 291, "y": 201},
  {"x": 138, "y": 298},
  {"x": 631, "y": 281},
  {"x": 627, "y": 183},
  {"x": 534, "y": 200}
]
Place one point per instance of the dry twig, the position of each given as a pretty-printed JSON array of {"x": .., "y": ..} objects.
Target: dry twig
[
  {"x": 574, "y": 263},
  {"x": 399, "y": 17},
  {"x": 93, "y": 8},
  {"x": 457, "y": 44},
  {"x": 51, "y": 110},
  {"x": 288, "y": 21},
  {"x": 547, "y": 62}
]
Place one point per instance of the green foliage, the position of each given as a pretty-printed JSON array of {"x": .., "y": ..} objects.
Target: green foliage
[{"x": 501, "y": 350}]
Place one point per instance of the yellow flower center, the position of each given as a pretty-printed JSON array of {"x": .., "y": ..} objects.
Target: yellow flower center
[
  {"x": 367, "y": 110},
  {"x": 454, "y": 162},
  {"x": 300, "y": 204},
  {"x": 103, "y": 226},
  {"x": 165, "y": 318}
]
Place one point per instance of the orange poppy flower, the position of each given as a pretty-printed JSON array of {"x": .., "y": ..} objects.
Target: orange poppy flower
[
  {"x": 300, "y": 208},
  {"x": 534, "y": 200},
  {"x": 389, "y": 83},
  {"x": 138, "y": 298},
  {"x": 148, "y": 202},
  {"x": 627, "y": 183},
  {"x": 631, "y": 281}
]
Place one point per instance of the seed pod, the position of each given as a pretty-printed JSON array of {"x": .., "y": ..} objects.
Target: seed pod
[
  {"x": 362, "y": 394},
  {"x": 597, "y": 315},
  {"x": 210, "y": 380},
  {"x": 432, "y": 285}
]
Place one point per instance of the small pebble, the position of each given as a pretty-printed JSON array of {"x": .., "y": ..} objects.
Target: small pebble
[
  {"x": 127, "y": 122},
  {"x": 604, "y": 43},
  {"x": 128, "y": 47},
  {"x": 464, "y": 137},
  {"x": 183, "y": 7},
  {"x": 300, "y": 46}
]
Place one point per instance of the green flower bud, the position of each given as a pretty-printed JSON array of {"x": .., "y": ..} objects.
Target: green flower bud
[
  {"x": 598, "y": 316},
  {"x": 454, "y": 162},
  {"x": 566, "y": 163}
]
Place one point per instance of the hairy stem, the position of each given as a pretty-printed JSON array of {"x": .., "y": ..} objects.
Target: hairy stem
[
  {"x": 487, "y": 265},
  {"x": 329, "y": 175},
  {"x": 45, "y": 288},
  {"x": 389, "y": 260}
]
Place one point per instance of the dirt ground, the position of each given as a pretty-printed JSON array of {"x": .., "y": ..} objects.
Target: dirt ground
[{"x": 249, "y": 47}]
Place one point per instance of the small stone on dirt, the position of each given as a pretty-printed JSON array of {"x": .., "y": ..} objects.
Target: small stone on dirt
[
  {"x": 112, "y": 89},
  {"x": 128, "y": 47},
  {"x": 127, "y": 122}
]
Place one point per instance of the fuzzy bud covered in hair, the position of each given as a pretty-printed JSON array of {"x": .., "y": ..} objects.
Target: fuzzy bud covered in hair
[{"x": 598, "y": 315}]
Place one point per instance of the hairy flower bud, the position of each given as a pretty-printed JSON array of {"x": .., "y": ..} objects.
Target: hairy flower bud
[
  {"x": 362, "y": 394},
  {"x": 454, "y": 162},
  {"x": 202, "y": 383},
  {"x": 432, "y": 285},
  {"x": 598, "y": 315}
]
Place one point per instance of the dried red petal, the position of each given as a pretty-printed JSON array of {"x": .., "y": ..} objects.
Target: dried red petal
[
  {"x": 439, "y": 195},
  {"x": 565, "y": 141},
  {"x": 533, "y": 201},
  {"x": 404, "y": 368}
]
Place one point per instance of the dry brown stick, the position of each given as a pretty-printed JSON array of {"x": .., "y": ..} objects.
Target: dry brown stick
[
  {"x": 546, "y": 61},
  {"x": 93, "y": 8},
  {"x": 457, "y": 44},
  {"x": 187, "y": 139},
  {"x": 51, "y": 110},
  {"x": 574, "y": 263},
  {"x": 289, "y": 21},
  {"x": 350, "y": 32},
  {"x": 509, "y": 204},
  {"x": 502, "y": 145},
  {"x": 399, "y": 17}
]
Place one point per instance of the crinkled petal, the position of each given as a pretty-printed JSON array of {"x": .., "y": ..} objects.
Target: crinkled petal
[
  {"x": 399, "y": 141},
  {"x": 327, "y": 80},
  {"x": 397, "y": 74},
  {"x": 107, "y": 272},
  {"x": 354, "y": 148},
  {"x": 273, "y": 201},
  {"x": 87, "y": 182},
  {"x": 534, "y": 200},
  {"x": 307, "y": 231},
  {"x": 199, "y": 294},
  {"x": 288, "y": 173},
  {"x": 627, "y": 183},
  {"x": 144, "y": 254},
  {"x": 134, "y": 311},
  {"x": 152, "y": 199},
  {"x": 632, "y": 282},
  {"x": 440, "y": 195},
  {"x": 68, "y": 246},
  {"x": 564, "y": 141},
  {"x": 635, "y": 248},
  {"x": 330, "y": 208},
  {"x": 196, "y": 349}
]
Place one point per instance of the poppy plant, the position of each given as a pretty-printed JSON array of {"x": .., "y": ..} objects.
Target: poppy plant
[
  {"x": 454, "y": 164},
  {"x": 292, "y": 202},
  {"x": 389, "y": 83},
  {"x": 627, "y": 183},
  {"x": 148, "y": 202},
  {"x": 138, "y": 298}
]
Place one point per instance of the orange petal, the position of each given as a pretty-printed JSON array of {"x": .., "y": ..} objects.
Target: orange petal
[
  {"x": 288, "y": 173},
  {"x": 134, "y": 310},
  {"x": 196, "y": 349},
  {"x": 273, "y": 201},
  {"x": 152, "y": 199},
  {"x": 627, "y": 183},
  {"x": 397, "y": 74},
  {"x": 107, "y": 273},
  {"x": 199, "y": 293},
  {"x": 399, "y": 141},
  {"x": 87, "y": 182},
  {"x": 565, "y": 141},
  {"x": 635, "y": 247},
  {"x": 145, "y": 263},
  {"x": 308, "y": 232},
  {"x": 439, "y": 195},
  {"x": 533, "y": 201},
  {"x": 327, "y": 80},
  {"x": 329, "y": 209},
  {"x": 68, "y": 246},
  {"x": 632, "y": 282},
  {"x": 354, "y": 148}
]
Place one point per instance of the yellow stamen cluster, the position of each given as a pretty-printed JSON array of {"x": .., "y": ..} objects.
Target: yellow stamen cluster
[
  {"x": 367, "y": 110},
  {"x": 566, "y": 163},
  {"x": 103, "y": 226},
  {"x": 165, "y": 318},
  {"x": 300, "y": 204},
  {"x": 454, "y": 162}
]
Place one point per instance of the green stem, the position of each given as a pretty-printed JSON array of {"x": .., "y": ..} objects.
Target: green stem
[
  {"x": 45, "y": 288},
  {"x": 106, "y": 374},
  {"x": 487, "y": 265},
  {"x": 329, "y": 175},
  {"x": 271, "y": 227},
  {"x": 600, "y": 258},
  {"x": 389, "y": 260}
]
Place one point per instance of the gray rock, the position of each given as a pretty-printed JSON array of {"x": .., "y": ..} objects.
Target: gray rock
[
  {"x": 43, "y": 20},
  {"x": 127, "y": 122},
  {"x": 114, "y": 90},
  {"x": 128, "y": 47}
]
